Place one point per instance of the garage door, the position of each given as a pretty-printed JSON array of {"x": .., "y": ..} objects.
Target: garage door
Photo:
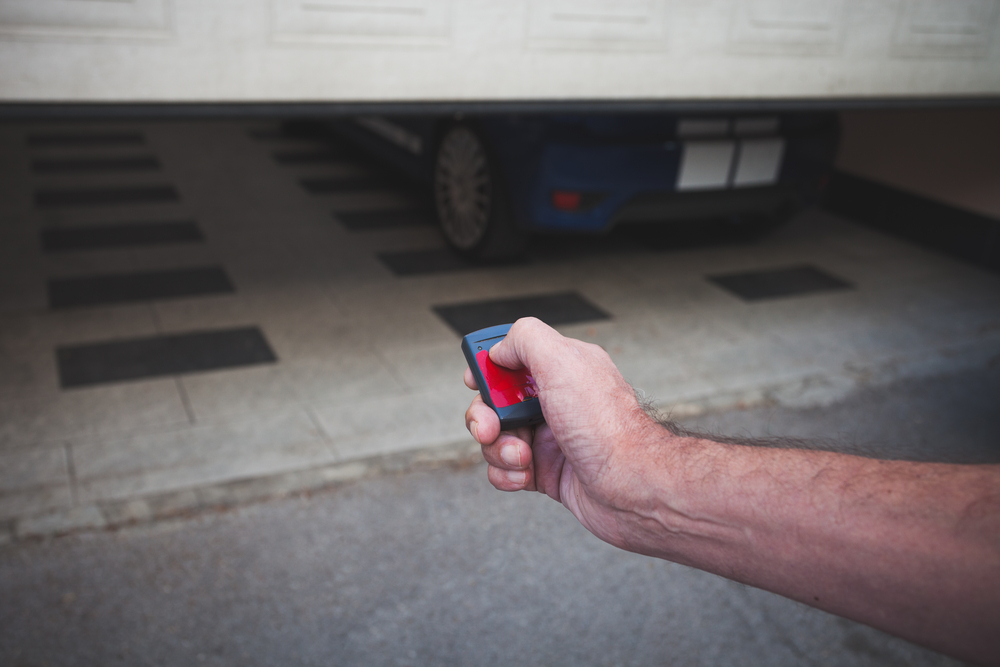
[{"x": 450, "y": 50}]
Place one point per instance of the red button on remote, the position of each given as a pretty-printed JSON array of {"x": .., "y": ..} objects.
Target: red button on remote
[{"x": 507, "y": 387}]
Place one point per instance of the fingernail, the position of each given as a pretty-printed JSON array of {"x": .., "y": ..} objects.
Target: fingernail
[
  {"x": 474, "y": 429},
  {"x": 511, "y": 455},
  {"x": 517, "y": 476}
]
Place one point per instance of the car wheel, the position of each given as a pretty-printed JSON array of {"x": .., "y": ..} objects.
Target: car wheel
[{"x": 471, "y": 199}]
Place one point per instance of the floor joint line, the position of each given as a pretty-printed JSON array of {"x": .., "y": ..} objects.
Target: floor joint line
[
  {"x": 185, "y": 400},
  {"x": 71, "y": 473}
]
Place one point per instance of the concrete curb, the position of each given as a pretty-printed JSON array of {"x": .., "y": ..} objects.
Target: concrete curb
[
  {"x": 114, "y": 514},
  {"x": 821, "y": 389},
  {"x": 811, "y": 390}
]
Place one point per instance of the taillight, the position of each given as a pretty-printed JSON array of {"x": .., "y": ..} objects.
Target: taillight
[{"x": 566, "y": 200}]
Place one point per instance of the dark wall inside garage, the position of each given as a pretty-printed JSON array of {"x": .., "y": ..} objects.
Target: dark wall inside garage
[{"x": 932, "y": 176}]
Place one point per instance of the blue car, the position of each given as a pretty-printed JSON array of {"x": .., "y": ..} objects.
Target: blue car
[{"x": 498, "y": 178}]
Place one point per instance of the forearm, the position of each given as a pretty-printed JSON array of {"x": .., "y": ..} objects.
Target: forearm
[{"x": 910, "y": 548}]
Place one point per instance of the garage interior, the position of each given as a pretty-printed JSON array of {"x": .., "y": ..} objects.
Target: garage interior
[{"x": 297, "y": 293}]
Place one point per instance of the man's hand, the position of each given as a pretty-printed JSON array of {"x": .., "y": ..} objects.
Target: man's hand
[
  {"x": 595, "y": 429},
  {"x": 910, "y": 548}
]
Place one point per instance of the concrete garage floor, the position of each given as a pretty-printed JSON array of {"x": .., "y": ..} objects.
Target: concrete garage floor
[{"x": 344, "y": 368}]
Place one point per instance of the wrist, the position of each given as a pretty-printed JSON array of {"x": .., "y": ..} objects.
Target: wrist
[
  {"x": 671, "y": 509},
  {"x": 643, "y": 464}
]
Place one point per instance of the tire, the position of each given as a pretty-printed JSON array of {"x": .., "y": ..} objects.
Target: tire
[
  {"x": 472, "y": 202},
  {"x": 755, "y": 225}
]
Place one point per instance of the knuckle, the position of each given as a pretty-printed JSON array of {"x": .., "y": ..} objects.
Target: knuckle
[
  {"x": 496, "y": 478},
  {"x": 527, "y": 324},
  {"x": 490, "y": 454}
]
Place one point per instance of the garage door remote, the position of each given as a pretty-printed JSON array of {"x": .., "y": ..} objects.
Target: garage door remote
[{"x": 511, "y": 394}]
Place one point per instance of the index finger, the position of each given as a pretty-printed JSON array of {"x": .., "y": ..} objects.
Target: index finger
[{"x": 470, "y": 379}]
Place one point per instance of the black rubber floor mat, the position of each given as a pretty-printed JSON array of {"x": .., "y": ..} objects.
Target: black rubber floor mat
[
  {"x": 267, "y": 134},
  {"x": 119, "y": 361},
  {"x": 142, "y": 194},
  {"x": 362, "y": 221},
  {"x": 120, "y": 235},
  {"x": 308, "y": 156},
  {"x": 96, "y": 165},
  {"x": 553, "y": 309},
  {"x": 81, "y": 139},
  {"x": 779, "y": 283},
  {"x": 437, "y": 260},
  {"x": 130, "y": 287},
  {"x": 361, "y": 183}
]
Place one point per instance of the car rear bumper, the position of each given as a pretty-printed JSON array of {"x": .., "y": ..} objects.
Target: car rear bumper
[
  {"x": 607, "y": 174},
  {"x": 674, "y": 206},
  {"x": 647, "y": 183}
]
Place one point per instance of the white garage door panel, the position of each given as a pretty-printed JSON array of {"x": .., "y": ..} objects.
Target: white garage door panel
[
  {"x": 946, "y": 28},
  {"x": 55, "y": 19},
  {"x": 454, "y": 50},
  {"x": 812, "y": 27},
  {"x": 373, "y": 22},
  {"x": 597, "y": 24}
]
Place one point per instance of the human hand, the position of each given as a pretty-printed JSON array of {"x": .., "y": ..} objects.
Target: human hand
[
  {"x": 585, "y": 453},
  {"x": 862, "y": 538}
]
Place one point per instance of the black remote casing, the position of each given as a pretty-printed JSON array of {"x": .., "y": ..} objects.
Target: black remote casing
[{"x": 526, "y": 413}]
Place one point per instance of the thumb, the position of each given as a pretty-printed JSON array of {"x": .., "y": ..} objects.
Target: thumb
[{"x": 529, "y": 343}]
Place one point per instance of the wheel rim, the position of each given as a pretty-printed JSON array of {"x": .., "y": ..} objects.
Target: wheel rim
[{"x": 462, "y": 188}]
